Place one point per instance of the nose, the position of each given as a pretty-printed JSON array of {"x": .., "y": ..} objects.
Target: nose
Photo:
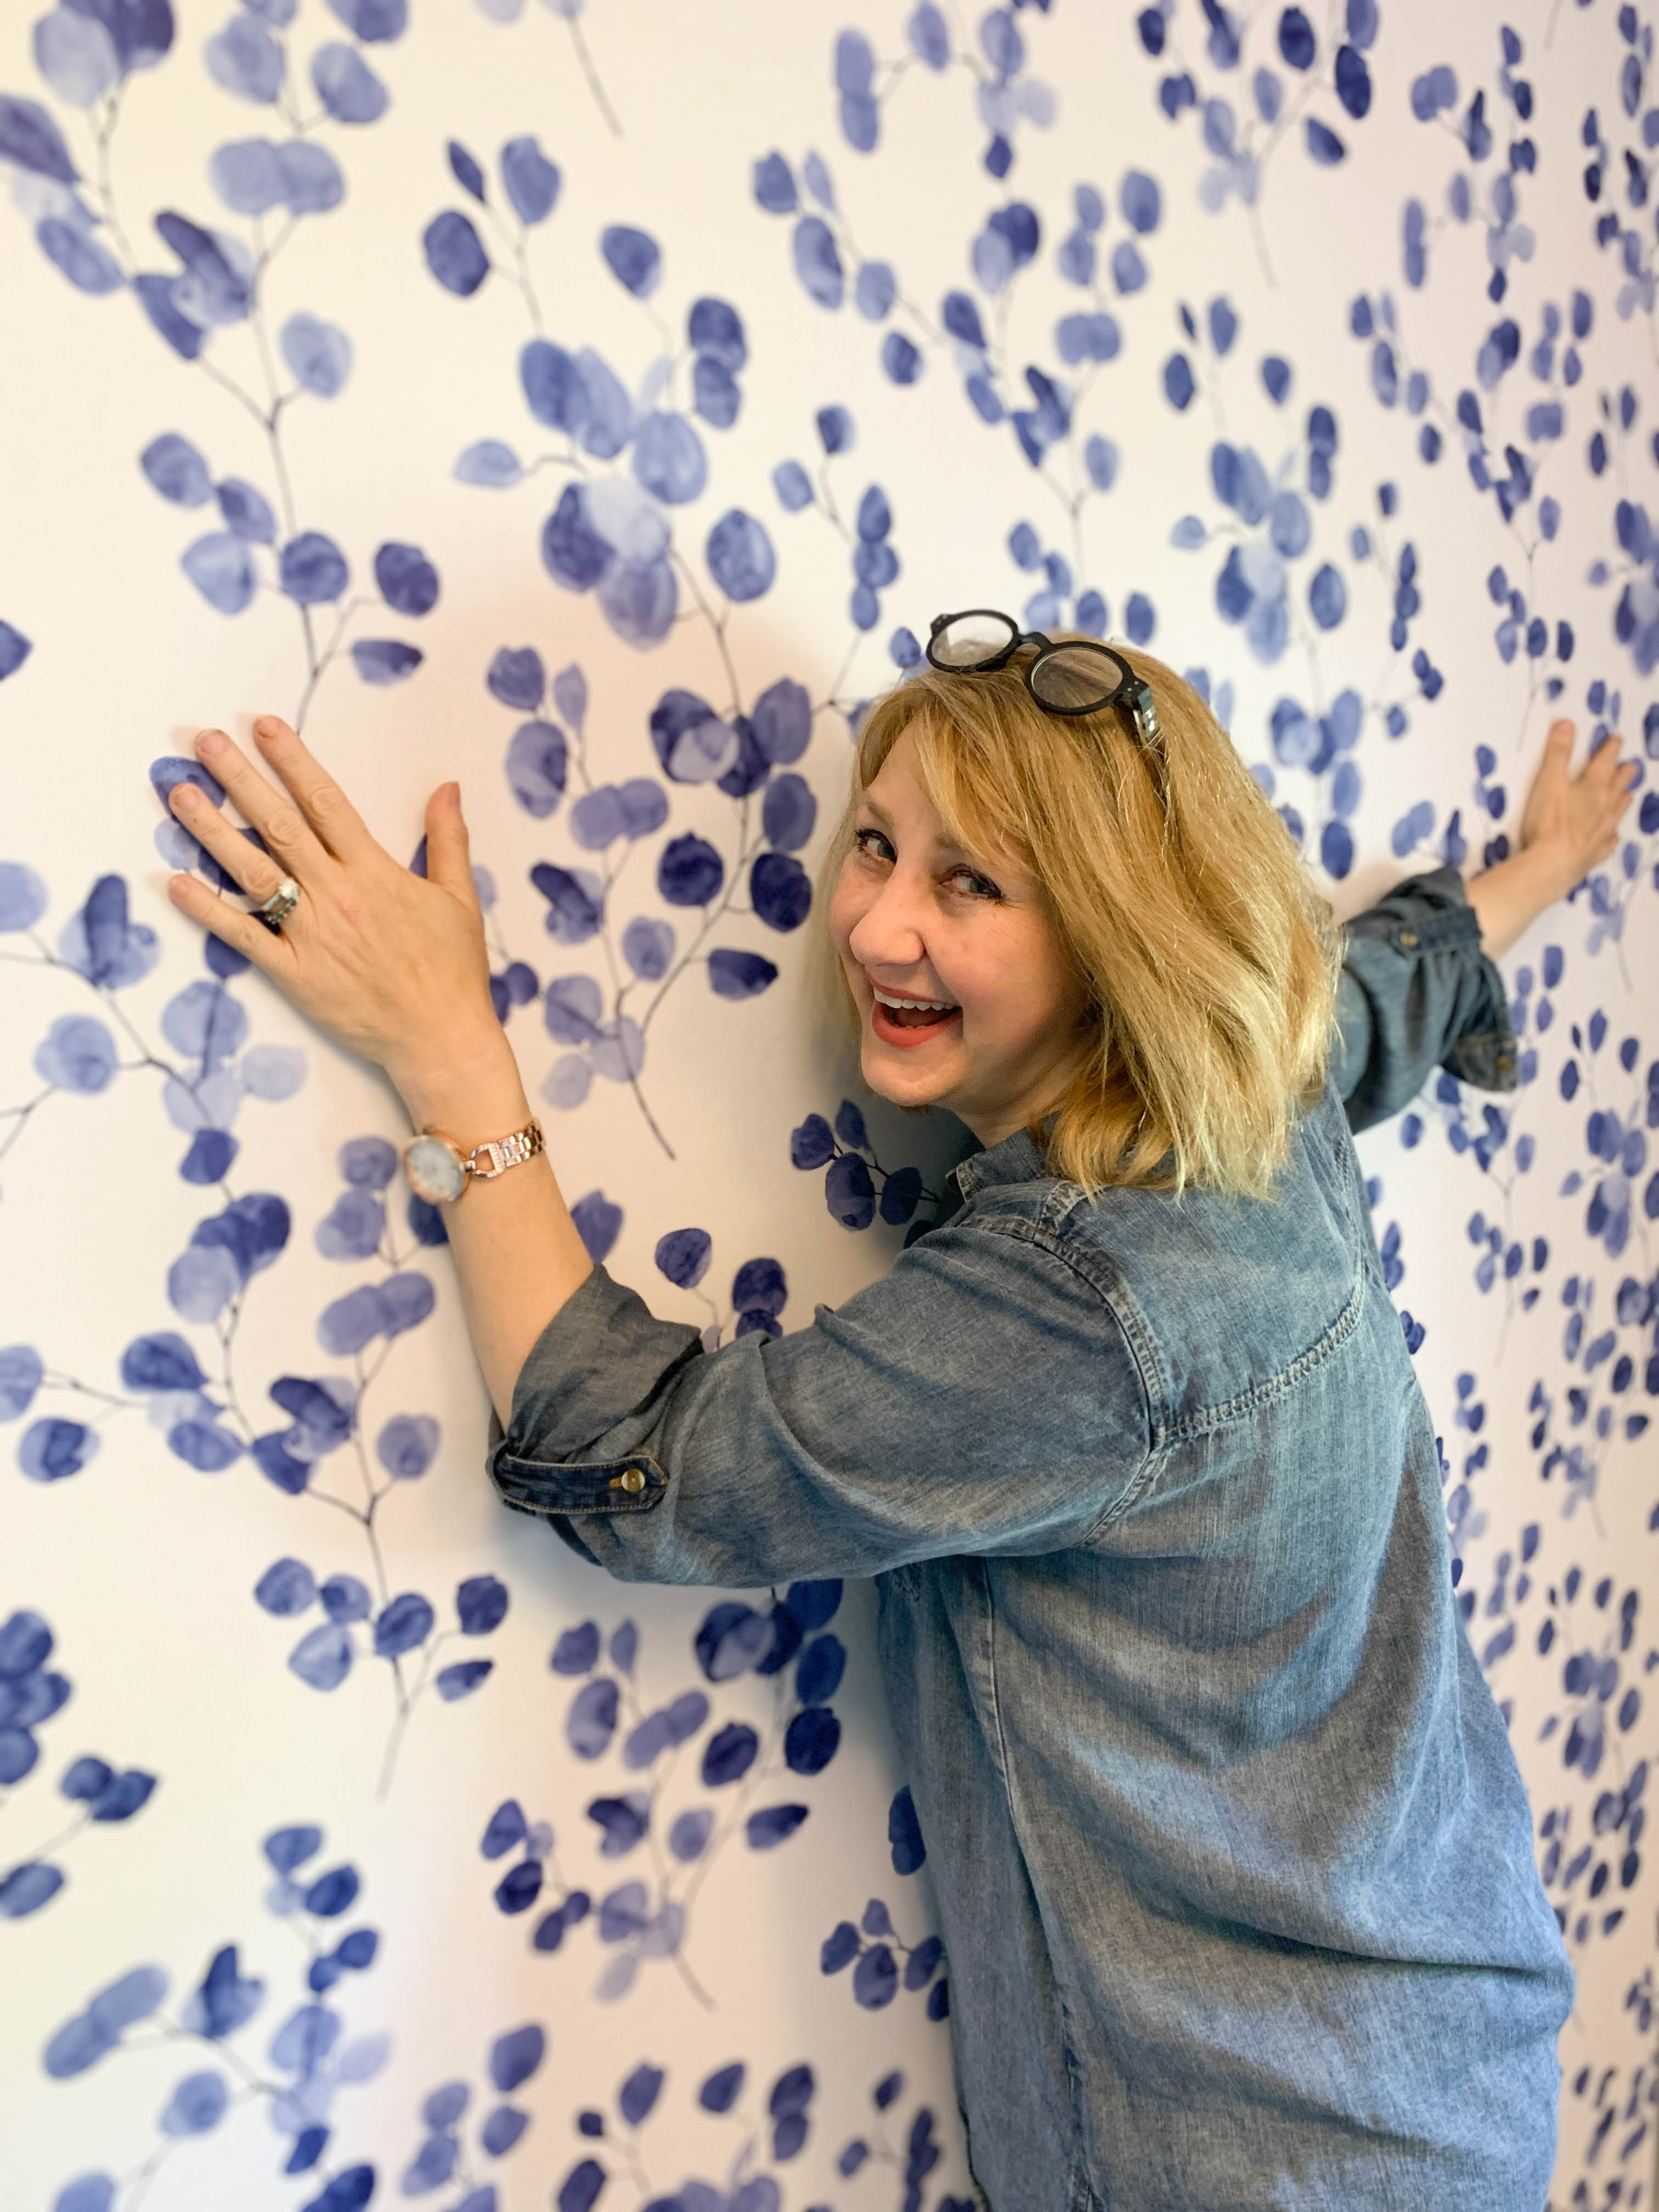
[{"x": 888, "y": 933}]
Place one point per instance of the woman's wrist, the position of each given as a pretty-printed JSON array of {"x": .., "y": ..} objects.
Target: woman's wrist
[
  {"x": 1509, "y": 896},
  {"x": 468, "y": 1086}
]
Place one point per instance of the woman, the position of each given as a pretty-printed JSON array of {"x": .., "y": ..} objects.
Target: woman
[{"x": 1233, "y": 1860}]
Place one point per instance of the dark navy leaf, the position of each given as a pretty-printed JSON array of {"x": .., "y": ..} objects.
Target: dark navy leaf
[
  {"x": 683, "y": 1254},
  {"x": 849, "y": 1192},
  {"x": 817, "y": 1676},
  {"x": 518, "y": 1887},
  {"x": 14, "y": 650},
  {"x": 577, "y": 1649},
  {"x": 622, "y": 1821},
  {"x": 760, "y": 1286},
  {"x": 812, "y": 1144},
  {"x": 729, "y": 1755},
  {"x": 780, "y": 890},
  {"x": 225, "y": 2000},
  {"x": 904, "y": 1833},
  {"x": 734, "y": 975},
  {"x": 465, "y": 170},
  {"x": 690, "y": 872},
  {"x": 406, "y": 1622},
  {"x": 455, "y": 253},
  {"x": 875, "y": 1978},
  {"x": 812, "y": 1739},
  {"x": 481, "y": 1603}
]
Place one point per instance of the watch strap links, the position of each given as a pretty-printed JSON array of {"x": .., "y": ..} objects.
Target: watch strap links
[{"x": 504, "y": 1152}]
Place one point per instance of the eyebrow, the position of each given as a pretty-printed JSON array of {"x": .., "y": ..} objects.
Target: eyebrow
[{"x": 947, "y": 845}]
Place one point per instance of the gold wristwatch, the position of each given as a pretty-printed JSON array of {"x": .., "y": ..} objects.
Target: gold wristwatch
[{"x": 437, "y": 1170}]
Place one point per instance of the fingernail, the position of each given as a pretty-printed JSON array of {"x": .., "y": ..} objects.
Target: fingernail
[
  {"x": 179, "y": 889},
  {"x": 210, "y": 742},
  {"x": 269, "y": 727}
]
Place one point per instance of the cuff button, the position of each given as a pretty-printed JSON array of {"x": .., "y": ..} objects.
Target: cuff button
[
  {"x": 632, "y": 1480},
  {"x": 1408, "y": 940}
]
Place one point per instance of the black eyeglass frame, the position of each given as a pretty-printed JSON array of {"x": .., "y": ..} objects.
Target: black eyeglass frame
[{"x": 1130, "y": 691}]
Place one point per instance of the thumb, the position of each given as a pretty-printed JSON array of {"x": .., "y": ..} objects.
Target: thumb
[{"x": 448, "y": 862}]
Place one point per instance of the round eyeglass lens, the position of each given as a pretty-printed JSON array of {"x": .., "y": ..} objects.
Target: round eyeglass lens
[
  {"x": 1076, "y": 679},
  {"x": 971, "y": 640}
]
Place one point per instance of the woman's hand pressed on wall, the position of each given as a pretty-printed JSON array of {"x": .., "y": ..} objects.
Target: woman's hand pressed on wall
[
  {"x": 1569, "y": 825},
  {"x": 397, "y": 969}
]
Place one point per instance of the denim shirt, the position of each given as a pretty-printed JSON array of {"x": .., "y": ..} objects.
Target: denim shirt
[{"x": 1234, "y": 1865}]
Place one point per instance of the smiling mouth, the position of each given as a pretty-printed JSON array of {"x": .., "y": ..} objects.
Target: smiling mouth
[{"x": 894, "y": 1016}]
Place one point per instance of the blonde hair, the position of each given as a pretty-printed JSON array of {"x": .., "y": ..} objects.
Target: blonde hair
[{"x": 1209, "y": 959}]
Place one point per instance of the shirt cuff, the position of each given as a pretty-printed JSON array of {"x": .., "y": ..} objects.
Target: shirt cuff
[
  {"x": 1418, "y": 992},
  {"x": 598, "y": 1370}
]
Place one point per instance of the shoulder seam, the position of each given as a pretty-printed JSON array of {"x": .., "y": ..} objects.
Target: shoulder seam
[{"x": 1019, "y": 1229}]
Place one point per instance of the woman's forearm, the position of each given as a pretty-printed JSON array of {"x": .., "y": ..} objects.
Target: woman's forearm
[
  {"x": 517, "y": 1254},
  {"x": 1509, "y": 896}
]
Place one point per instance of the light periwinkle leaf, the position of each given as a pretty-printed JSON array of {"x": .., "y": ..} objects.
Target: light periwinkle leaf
[
  {"x": 222, "y": 568},
  {"x": 346, "y": 85},
  {"x": 76, "y": 56},
  {"x": 491, "y": 463},
  {"x": 318, "y": 353}
]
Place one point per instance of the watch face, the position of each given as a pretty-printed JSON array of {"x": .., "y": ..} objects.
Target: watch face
[{"x": 433, "y": 1170}]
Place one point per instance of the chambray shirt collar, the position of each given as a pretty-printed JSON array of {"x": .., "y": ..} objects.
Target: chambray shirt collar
[{"x": 1014, "y": 1159}]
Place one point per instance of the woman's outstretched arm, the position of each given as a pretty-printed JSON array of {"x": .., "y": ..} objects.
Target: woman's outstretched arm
[
  {"x": 396, "y": 968},
  {"x": 1419, "y": 987}
]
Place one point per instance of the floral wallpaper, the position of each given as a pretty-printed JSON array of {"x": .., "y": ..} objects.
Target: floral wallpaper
[{"x": 596, "y": 402}]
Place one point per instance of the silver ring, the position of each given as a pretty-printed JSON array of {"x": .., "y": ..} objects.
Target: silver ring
[{"x": 278, "y": 907}]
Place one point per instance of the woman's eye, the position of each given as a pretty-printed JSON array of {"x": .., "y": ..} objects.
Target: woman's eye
[
  {"x": 975, "y": 885},
  {"x": 873, "y": 845}
]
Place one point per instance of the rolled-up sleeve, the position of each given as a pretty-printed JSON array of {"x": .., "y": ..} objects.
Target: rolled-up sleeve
[
  {"x": 981, "y": 1398},
  {"x": 1417, "y": 992}
]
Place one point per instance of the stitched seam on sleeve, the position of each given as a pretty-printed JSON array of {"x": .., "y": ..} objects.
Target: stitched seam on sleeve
[{"x": 1027, "y": 1232}]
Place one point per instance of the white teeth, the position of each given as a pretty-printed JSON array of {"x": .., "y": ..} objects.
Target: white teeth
[{"x": 933, "y": 1006}]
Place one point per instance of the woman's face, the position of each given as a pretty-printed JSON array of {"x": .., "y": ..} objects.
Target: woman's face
[{"x": 964, "y": 995}]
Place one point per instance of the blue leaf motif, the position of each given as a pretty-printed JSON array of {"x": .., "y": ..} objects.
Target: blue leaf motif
[
  {"x": 530, "y": 180},
  {"x": 346, "y": 85},
  {"x": 455, "y": 253},
  {"x": 817, "y": 261},
  {"x": 312, "y": 570},
  {"x": 30, "y": 139},
  {"x": 317, "y": 353},
  {"x": 634, "y": 258}
]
